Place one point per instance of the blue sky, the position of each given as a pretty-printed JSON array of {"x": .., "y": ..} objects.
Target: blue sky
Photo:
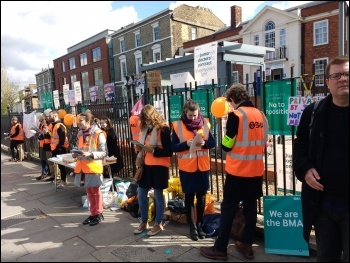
[{"x": 35, "y": 33}]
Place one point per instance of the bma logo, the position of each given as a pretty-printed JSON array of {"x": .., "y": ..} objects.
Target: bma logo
[{"x": 253, "y": 125}]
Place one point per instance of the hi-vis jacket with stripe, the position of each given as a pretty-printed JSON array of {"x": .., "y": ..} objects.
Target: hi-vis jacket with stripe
[
  {"x": 55, "y": 139},
  {"x": 135, "y": 126},
  {"x": 47, "y": 137},
  {"x": 85, "y": 164},
  {"x": 149, "y": 158},
  {"x": 246, "y": 156},
  {"x": 199, "y": 160},
  {"x": 20, "y": 135}
]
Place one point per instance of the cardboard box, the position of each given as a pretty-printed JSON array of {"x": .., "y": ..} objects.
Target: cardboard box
[{"x": 180, "y": 218}]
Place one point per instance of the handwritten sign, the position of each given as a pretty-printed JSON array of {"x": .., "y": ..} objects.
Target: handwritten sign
[{"x": 296, "y": 106}]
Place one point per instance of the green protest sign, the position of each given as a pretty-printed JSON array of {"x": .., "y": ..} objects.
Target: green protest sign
[
  {"x": 283, "y": 226},
  {"x": 175, "y": 106},
  {"x": 204, "y": 98},
  {"x": 276, "y": 95}
]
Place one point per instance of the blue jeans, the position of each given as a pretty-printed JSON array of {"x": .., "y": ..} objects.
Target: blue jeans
[
  {"x": 143, "y": 204},
  {"x": 332, "y": 236},
  {"x": 44, "y": 167}
]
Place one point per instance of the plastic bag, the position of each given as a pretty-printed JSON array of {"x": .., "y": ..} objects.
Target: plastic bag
[{"x": 136, "y": 109}]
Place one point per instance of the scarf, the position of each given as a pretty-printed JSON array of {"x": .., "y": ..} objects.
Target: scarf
[
  {"x": 193, "y": 125},
  {"x": 86, "y": 133}
]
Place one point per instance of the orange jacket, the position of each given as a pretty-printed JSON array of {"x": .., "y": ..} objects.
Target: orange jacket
[
  {"x": 85, "y": 164},
  {"x": 135, "y": 123},
  {"x": 20, "y": 136},
  {"x": 199, "y": 160},
  {"x": 246, "y": 156},
  {"x": 149, "y": 158},
  {"x": 55, "y": 138}
]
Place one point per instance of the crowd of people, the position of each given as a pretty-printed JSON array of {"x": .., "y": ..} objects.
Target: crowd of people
[{"x": 321, "y": 154}]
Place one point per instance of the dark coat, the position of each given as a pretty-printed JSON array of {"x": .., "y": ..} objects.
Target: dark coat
[{"x": 307, "y": 153}]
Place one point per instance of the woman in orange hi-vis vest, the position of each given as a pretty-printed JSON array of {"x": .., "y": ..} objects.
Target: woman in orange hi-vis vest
[
  {"x": 194, "y": 164},
  {"x": 156, "y": 153},
  {"x": 92, "y": 144},
  {"x": 16, "y": 136},
  {"x": 244, "y": 142}
]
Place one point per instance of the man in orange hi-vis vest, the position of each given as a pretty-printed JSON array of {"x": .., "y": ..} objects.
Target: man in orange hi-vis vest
[
  {"x": 244, "y": 142},
  {"x": 16, "y": 136}
]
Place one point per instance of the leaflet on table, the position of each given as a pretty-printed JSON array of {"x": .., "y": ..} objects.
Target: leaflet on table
[{"x": 137, "y": 143}]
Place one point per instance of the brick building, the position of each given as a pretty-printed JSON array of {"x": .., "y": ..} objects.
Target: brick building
[
  {"x": 157, "y": 38},
  {"x": 88, "y": 62}
]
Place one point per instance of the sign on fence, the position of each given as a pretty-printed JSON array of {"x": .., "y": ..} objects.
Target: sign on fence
[{"x": 283, "y": 226}]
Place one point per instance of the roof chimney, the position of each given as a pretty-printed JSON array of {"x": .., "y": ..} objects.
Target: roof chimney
[{"x": 236, "y": 16}]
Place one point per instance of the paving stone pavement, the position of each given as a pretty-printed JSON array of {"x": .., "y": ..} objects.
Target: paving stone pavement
[{"x": 47, "y": 226}]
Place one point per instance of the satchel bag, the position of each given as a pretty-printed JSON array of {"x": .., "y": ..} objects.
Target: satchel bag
[
  {"x": 238, "y": 224},
  {"x": 138, "y": 174}
]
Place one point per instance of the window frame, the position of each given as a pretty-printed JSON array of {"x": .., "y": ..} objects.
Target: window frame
[
  {"x": 83, "y": 59},
  {"x": 137, "y": 39},
  {"x": 155, "y": 31},
  {"x": 96, "y": 54},
  {"x": 322, "y": 34},
  {"x": 320, "y": 72},
  {"x": 121, "y": 44}
]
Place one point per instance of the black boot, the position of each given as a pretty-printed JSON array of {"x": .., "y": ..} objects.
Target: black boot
[
  {"x": 200, "y": 231},
  {"x": 193, "y": 232}
]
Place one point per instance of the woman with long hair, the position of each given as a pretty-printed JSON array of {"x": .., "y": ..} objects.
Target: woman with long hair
[{"x": 156, "y": 153}]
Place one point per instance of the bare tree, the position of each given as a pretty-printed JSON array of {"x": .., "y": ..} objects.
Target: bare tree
[{"x": 9, "y": 90}]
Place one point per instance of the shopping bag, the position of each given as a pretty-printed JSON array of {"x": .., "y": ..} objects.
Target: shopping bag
[{"x": 238, "y": 224}]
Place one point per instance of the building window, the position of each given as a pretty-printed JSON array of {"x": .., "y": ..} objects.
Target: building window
[
  {"x": 73, "y": 78},
  {"x": 155, "y": 31},
  {"x": 72, "y": 63},
  {"x": 256, "y": 40},
  {"x": 137, "y": 39},
  {"x": 85, "y": 85},
  {"x": 83, "y": 59},
  {"x": 63, "y": 67},
  {"x": 138, "y": 61},
  {"x": 98, "y": 78},
  {"x": 123, "y": 68},
  {"x": 64, "y": 81},
  {"x": 270, "y": 34},
  {"x": 122, "y": 46},
  {"x": 320, "y": 67},
  {"x": 193, "y": 33},
  {"x": 321, "y": 33},
  {"x": 283, "y": 37},
  {"x": 235, "y": 77},
  {"x": 156, "y": 52},
  {"x": 96, "y": 54}
]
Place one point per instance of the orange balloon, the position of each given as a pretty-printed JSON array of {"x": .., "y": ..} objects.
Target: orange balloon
[
  {"x": 219, "y": 107},
  {"x": 68, "y": 119},
  {"x": 61, "y": 113}
]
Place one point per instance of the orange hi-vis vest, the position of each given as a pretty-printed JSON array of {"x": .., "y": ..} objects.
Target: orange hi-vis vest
[
  {"x": 199, "y": 160},
  {"x": 246, "y": 156},
  {"x": 55, "y": 138},
  {"x": 86, "y": 164},
  {"x": 41, "y": 142},
  {"x": 149, "y": 158},
  {"x": 135, "y": 124},
  {"x": 20, "y": 136},
  {"x": 49, "y": 129}
]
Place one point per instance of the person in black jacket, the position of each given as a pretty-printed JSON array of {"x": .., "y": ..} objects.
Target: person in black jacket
[
  {"x": 112, "y": 144},
  {"x": 321, "y": 163}
]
